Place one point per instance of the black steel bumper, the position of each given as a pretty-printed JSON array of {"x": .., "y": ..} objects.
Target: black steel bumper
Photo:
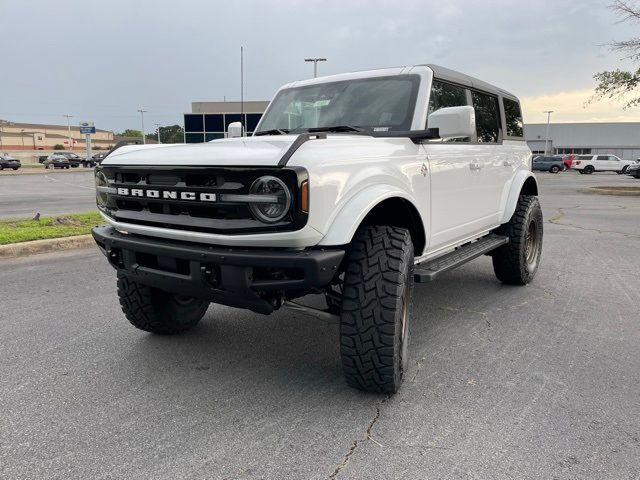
[{"x": 229, "y": 276}]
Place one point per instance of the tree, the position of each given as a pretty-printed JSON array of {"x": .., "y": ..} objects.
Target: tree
[
  {"x": 130, "y": 133},
  {"x": 168, "y": 134},
  {"x": 618, "y": 84},
  {"x": 58, "y": 146}
]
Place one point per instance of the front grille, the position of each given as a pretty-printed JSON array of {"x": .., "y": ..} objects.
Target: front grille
[{"x": 207, "y": 209}]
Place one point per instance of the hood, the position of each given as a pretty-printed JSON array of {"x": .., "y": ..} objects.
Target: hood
[{"x": 247, "y": 151}]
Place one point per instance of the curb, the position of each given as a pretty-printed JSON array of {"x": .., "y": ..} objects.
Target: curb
[
  {"x": 42, "y": 171},
  {"x": 33, "y": 247},
  {"x": 619, "y": 191}
]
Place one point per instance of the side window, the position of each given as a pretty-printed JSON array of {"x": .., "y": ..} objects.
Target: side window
[
  {"x": 487, "y": 117},
  {"x": 603, "y": 157},
  {"x": 613, "y": 158},
  {"x": 513, "y": 118},
  {"x": 447, "y": 95}
]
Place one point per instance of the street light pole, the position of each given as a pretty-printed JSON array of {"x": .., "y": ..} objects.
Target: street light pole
[
  {"x": 69, "y": 130},
  {"x": 158, "y": 127},
  {"x": 142, "y": 112},
  {"x": 315, "y": 64},
  {"x": 546, "y": 136}
]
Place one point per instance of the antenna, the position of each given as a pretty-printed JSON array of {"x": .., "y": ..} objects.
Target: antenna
[{"x": 242, "y": 89}]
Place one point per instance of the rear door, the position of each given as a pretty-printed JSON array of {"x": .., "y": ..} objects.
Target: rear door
[
  {"x": 494, "y": 158},
  {"x": 602, "y": 163}
]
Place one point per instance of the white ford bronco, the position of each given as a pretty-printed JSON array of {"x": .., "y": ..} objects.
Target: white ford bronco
[{"x": 353, "y": 186}]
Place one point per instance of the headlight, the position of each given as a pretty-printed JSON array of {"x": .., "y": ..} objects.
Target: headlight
[
  {"x": 276, "y": 199},
  {"x": 102, "y": 186}
]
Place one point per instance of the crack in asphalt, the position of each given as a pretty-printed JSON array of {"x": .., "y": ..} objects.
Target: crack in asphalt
[
  {"x": 555, "y": 220},
  {"x": 356, "y": 443}
]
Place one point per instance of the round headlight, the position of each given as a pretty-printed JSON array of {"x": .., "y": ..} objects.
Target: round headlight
[
  {"x": 101, "y": 189},
  {"x": 276, "y": 200}
]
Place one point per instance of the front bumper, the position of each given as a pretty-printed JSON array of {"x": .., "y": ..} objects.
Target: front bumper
[{"x": 237, "y": 277}]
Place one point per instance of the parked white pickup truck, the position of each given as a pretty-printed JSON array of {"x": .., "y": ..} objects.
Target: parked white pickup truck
[
  {"x": 354, "y": 186},
  {"x": 600, "y": 163}
]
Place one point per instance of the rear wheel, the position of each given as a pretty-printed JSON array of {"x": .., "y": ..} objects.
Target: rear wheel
[
  {"x": 157, "y": 311},
  {"x": 376, "y": 309},
  {"x": 516, "y": 263},
  {"x": 589, "y": 169}
]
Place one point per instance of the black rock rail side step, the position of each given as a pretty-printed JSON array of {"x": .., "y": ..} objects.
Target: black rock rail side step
[{"x": 429, "y": 270}]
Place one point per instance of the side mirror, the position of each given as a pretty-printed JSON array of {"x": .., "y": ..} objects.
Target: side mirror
[
  {"x": 235, "y": 130},
  {"x": 453, "y": 122}
]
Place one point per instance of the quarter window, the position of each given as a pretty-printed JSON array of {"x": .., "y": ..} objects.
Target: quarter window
[
  {"x": 487, "y": 117},
  {"x": 513, "y": 118}
]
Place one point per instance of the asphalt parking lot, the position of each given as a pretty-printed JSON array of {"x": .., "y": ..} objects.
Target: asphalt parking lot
[
  {"x": 22, "y": 196},
  {"x": 505, "y": 382}
]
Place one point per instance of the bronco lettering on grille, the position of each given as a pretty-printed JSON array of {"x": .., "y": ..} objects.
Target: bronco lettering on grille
[{"x": 167, "y": 194}]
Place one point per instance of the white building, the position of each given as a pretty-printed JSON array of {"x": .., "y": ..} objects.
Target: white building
[{"x": 621, "y": 139}]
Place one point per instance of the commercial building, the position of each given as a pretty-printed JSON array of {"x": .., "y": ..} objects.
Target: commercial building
[
  {"x": 35, "y": 136},
  {"x": 620, "y": 139},
  {"x": 210, "y": 120}
]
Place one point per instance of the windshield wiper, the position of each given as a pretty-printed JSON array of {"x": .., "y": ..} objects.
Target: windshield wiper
[
  {"x": 273, "y": 131},
  {"x": 332, "y": 128}
]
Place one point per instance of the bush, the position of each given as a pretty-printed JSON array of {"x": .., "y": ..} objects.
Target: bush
[{"x": 58, "y": 147}]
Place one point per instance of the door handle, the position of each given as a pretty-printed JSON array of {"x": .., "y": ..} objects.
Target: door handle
[{"x": 475, "y": 165}]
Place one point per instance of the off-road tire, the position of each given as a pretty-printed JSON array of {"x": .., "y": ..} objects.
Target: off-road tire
[
  {"x": 589, "y": 170},
  {"x": 376, "y": 308},
  {"x": 157, "y": 311},
  {"x": 516, "y": 263}
]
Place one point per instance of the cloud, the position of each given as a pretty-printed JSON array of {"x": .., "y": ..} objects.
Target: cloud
[{"x": 570, "y": 106}]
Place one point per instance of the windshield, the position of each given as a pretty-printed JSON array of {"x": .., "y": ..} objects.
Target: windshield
[{"x": 379, "y": 103}]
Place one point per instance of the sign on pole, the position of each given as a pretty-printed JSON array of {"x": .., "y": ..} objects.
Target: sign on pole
[{"x": 87, "y": 128}]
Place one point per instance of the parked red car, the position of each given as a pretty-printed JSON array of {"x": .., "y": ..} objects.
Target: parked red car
[{"x": 568, "y": 159}]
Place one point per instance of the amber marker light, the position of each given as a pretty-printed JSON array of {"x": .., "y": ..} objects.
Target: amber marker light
[{"x": 304, "y": 196}]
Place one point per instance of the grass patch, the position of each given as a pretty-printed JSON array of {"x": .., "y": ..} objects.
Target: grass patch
[{"x": 22, "y": 230}]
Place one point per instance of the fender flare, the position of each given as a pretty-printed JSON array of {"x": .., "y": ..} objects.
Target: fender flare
[
  {"x": 344, "y": 224},
  {"x": 521, "y": 177}
]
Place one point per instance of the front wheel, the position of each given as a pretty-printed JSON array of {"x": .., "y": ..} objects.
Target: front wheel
[
  {"x": 516, "y": 263},
  {"x": 376, "y": 308},
  {"x": 157, "y": 311},
  {"x": 555, "y": 169}
]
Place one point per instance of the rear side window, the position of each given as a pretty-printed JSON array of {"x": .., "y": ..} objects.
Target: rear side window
[
  {"x": 603, "y": 157},
  {"x": 513, "y": 118},
  {"x": 584, "y": 157},
  {"x": 487, "y": 117}
]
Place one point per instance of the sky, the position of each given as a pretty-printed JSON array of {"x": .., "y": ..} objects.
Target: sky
[{"x": 102, "y": 61}]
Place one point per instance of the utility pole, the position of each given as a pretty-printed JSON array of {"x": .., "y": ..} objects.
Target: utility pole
[
  {"x": 142, "y": 112},
  {"x": 546, "y": 137},
  {"x": 158, "y": 127},
  {"x": 315, "y": 64},
  {"x": 69, "y": 130},
  {"x": 242, "y": 89}
]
